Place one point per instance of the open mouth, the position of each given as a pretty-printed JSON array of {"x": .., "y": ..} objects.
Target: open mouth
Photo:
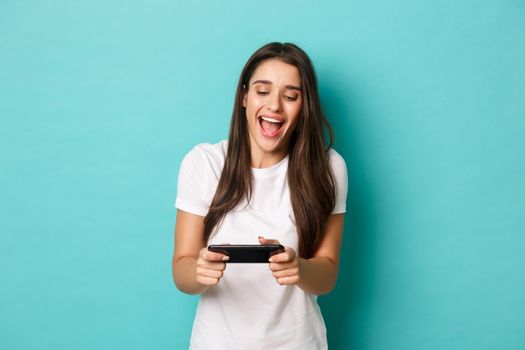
[{"x": 270, "y": 127}]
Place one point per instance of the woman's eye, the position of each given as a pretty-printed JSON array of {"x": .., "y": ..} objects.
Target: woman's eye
[
  {"x": 262, "y": 92},
  {"x": 290, "y": 98}
]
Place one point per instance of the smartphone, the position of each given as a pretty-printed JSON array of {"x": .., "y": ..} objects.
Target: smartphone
[{"x": 247, "y": 253}]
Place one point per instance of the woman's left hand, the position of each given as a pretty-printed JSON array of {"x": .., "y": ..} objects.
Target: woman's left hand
[{"x": 285, "y": 266}]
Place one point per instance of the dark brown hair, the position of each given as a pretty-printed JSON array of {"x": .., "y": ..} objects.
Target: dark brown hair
[{"x": 312, "y": 189}]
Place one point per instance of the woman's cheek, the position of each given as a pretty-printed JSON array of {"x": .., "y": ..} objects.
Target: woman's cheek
[{"x": 258, "y": 102}]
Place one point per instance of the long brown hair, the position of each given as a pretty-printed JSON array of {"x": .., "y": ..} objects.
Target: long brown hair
[{"x": 312, "y": 189}]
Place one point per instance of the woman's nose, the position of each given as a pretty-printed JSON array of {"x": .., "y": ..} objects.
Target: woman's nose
[{"x": 274, "y": 102}]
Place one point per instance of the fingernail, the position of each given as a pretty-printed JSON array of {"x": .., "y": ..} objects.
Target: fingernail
[
  {"x": 224, "y": 258},
  {"x": 270, "y": 260}
]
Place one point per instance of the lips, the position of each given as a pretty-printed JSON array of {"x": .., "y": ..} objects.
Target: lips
[{"x": 270, "y": 125}]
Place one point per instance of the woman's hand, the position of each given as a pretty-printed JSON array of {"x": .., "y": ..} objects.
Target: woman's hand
[
  {"x": 285, "y": 266},
  {"x": 210, "y": 267}
]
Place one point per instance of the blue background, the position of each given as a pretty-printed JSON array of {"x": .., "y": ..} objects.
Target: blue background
[{"x": 100, "y": 100}]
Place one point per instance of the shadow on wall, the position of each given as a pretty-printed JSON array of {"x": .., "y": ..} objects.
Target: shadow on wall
[{"x": 346, "y": 309}]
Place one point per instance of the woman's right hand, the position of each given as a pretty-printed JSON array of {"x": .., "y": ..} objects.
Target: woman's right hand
[{"x": 210, "y": 267}]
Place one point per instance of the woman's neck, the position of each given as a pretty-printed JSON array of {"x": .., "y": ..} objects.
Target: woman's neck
[{"x": 266, "y": 159}]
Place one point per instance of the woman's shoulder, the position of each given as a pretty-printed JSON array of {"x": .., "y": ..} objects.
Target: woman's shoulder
[
  {"x": 337, "y": 165},
  {"x": 336, "y": 160},
  {"x": 213, "y": 154},
  {"x": 340, "y": 173},
  {"x": 211, "y": 150}
]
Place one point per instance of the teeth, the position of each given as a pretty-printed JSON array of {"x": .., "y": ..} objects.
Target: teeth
[{"x": 271, "y": 120}]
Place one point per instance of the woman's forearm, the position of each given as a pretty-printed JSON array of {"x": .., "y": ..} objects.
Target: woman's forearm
[
  {"x": 317, "y": 275},
  {"x": 185, "y": 276}
]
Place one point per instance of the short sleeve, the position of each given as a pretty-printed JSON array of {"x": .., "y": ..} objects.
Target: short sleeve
[
  {"x": 339, "y": 171},
  {"x": 196, "y": 183}
]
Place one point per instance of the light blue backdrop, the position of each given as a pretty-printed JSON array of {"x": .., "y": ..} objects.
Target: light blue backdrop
[{"x": 100, "y": 100}]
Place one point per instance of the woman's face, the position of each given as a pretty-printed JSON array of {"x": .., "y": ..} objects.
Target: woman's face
[{"x": 273, "y": 105}]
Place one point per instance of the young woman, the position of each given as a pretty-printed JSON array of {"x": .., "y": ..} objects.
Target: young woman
[{"x": 275, "y": 180}]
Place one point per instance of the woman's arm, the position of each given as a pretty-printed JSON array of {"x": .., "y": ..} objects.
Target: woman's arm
[
  {"x": 318, "y": 274},
  {"x": 194, "y": 268}
]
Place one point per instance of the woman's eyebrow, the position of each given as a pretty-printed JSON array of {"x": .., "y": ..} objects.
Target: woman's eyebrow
[
  {"x": 292, "y": 87},
  {"x": 262, "y": 82}
]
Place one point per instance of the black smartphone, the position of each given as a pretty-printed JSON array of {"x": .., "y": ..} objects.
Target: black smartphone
[{"x": 247, "y": 253}]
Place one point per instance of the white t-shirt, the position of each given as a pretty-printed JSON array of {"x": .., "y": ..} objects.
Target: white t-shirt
[{"x": 248, "y": 309}]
